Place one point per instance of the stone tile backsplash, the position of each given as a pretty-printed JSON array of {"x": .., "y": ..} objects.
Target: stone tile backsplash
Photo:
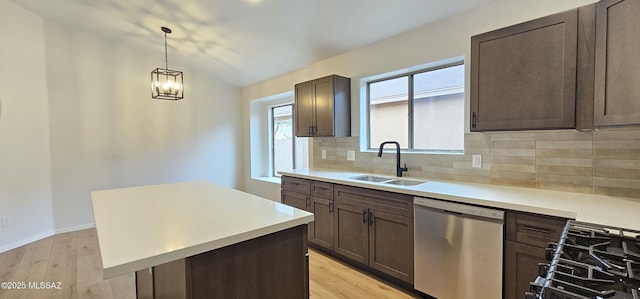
[{"x": 605, "y": 161}]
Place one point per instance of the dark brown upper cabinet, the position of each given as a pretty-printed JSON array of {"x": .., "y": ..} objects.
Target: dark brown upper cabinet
[
  {"x": 531, "y": 75},
  {"x": 323, "y": 107},
  {"x": 617, "y": 67}
]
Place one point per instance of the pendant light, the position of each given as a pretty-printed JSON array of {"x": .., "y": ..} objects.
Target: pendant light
[{"x": 166, "y": 84}]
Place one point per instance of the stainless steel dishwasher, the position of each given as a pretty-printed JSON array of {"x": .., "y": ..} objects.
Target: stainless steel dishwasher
[{"x": 457, "y": 250}]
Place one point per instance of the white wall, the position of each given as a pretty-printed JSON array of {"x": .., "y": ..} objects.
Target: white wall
[
  {"x": 107, "y": 132},
  {"x": 441, "y": 40},
  {"x": 25, "y": 184}
]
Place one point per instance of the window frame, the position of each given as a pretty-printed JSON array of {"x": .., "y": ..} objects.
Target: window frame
[
  {"x": 410, "y": 104},
  {"x": 272, "y": 139}
]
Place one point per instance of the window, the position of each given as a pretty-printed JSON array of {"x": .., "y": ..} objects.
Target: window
[
  {"x": 288, "y": 152},
  {"x": 423, "y": 111}
]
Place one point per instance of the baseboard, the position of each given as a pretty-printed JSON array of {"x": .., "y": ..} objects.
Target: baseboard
[
  {"x": 45, "y": 235},
  {"x": 27, "y": 241},
  {"x": 74, "y": 228}
]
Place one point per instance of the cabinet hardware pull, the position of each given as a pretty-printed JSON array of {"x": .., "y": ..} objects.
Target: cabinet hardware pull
[
  {"x": 308, "y": 201},
  {"x": 370, "y": 218},
  {"x": 330, "y": 207},
  {"x": 364, "y": 216},
  {"x": 536, "y": 230},
  {"x": 473, "y": 120}
]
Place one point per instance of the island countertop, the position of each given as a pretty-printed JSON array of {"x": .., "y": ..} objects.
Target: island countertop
[
  {"x": 600, "y": 209},
  {"x": 142, "y": 227}
]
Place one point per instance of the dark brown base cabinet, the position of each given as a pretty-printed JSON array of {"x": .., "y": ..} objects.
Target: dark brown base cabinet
[
  {"x": 375, "y": 228},
  {"x": 321, "y": 233},
  {"x": 371, "y": 228},
  {"x": 527, "y": 236},
  {"x": 272, "y": 266},
  {"x": 374, "y": 231},
  {"x": 317, "y": 198}
]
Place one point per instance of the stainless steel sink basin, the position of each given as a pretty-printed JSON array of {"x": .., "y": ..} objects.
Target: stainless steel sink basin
[
  {"x": 370, "y": 178},
  {"x": 385, "y": 180},
  {"x": 402, "y": 182}
]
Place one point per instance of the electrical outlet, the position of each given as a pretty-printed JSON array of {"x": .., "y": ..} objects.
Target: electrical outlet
[
  {"x": 324, "y": 154},
  {"x": 6, "y": 221},
  {"x": 476, "y": 161},
  {"x": 351, "y": 155}
]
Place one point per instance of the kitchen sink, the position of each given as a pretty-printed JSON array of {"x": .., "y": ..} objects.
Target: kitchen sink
[
  {"x": 402, "y": 182},
  {"x": 370, "y": 178},
  {"x": 385, "y": 180}
]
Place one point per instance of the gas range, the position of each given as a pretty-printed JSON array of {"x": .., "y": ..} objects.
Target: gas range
[{"x": 590, "y": 261}]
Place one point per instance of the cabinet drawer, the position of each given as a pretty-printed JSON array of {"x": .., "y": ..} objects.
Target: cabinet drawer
[
  {"x": 534, "y": 229},
  {"x": 296, "y": 185},
  {"x": 393, "y": 203},
  {"x": 322, "y": 189}
]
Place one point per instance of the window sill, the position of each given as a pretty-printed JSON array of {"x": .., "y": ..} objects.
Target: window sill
[{"x": 269, "y": 179}]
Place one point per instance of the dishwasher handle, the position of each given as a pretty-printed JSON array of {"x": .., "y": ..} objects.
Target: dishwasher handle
[
  {"x": 459, "y": 209},
  {"x": 453, "y": 212}
]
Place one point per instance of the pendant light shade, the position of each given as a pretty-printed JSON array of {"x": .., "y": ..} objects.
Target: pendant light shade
[{"x": 166, "y": 84}]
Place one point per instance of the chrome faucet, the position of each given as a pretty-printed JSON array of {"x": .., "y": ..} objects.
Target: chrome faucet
[{"x": 399, "y": 170}]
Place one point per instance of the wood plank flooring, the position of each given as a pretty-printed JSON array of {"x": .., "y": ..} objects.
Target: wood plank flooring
[{"x": 73, "y": 259}]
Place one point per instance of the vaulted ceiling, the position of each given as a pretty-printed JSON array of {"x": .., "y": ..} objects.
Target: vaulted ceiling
[{"x": 247, "y": 41}]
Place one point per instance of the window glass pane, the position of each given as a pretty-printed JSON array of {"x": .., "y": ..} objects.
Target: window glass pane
[
  {"x": 388, "y": 112},
  {"x": 282, "y": 138},
  {"x": 439, "y": 109}
]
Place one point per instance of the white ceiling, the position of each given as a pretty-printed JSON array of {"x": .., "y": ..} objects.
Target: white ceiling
[{"x": 247, "y": 41}]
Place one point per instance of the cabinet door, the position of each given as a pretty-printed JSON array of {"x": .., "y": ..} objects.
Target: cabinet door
[
  {"x": 524, "y": 76},
  {"x": 351, "y": 227},
  {"x": 324, "y": 108},
  {"x": 391, "y": 244},
  {"x": 520, "y": 268},
  {"x": 321, "y": 233},
  {"x": 303, "y": 107},
  {"x": 617, "y": 92},
  {"x": 296, "y": 200}
]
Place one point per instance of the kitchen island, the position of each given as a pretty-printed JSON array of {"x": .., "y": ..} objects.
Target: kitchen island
[{"x": 201, "y": 240}]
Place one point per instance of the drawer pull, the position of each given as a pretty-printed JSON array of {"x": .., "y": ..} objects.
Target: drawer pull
[
  {"x": 320, "y": 188},
  {"x": 536, "y": 230},
  {"x": 364, "y": 216}
]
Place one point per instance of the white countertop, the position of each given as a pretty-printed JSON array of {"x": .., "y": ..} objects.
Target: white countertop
[
  {"x": 606, "y": 210},
  {"x": 146, "y": 226}
]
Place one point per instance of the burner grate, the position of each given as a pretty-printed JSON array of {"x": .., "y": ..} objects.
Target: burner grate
[{"x": 591, "y": 261}]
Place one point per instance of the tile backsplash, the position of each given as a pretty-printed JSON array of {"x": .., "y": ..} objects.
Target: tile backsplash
[{"x": 605, "y": 162}]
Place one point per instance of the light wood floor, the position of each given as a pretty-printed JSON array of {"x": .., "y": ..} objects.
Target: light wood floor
[{"x": 73, "y": 260}]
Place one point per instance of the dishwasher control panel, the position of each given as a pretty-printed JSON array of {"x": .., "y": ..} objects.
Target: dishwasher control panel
[{"x": 458, "y": 208}]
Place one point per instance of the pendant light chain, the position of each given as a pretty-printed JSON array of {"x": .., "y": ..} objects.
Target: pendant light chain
[{"x": 166, "y": 61}]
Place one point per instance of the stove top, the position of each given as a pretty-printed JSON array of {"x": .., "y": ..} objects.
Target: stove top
[{"x": 590, "y": 261}]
